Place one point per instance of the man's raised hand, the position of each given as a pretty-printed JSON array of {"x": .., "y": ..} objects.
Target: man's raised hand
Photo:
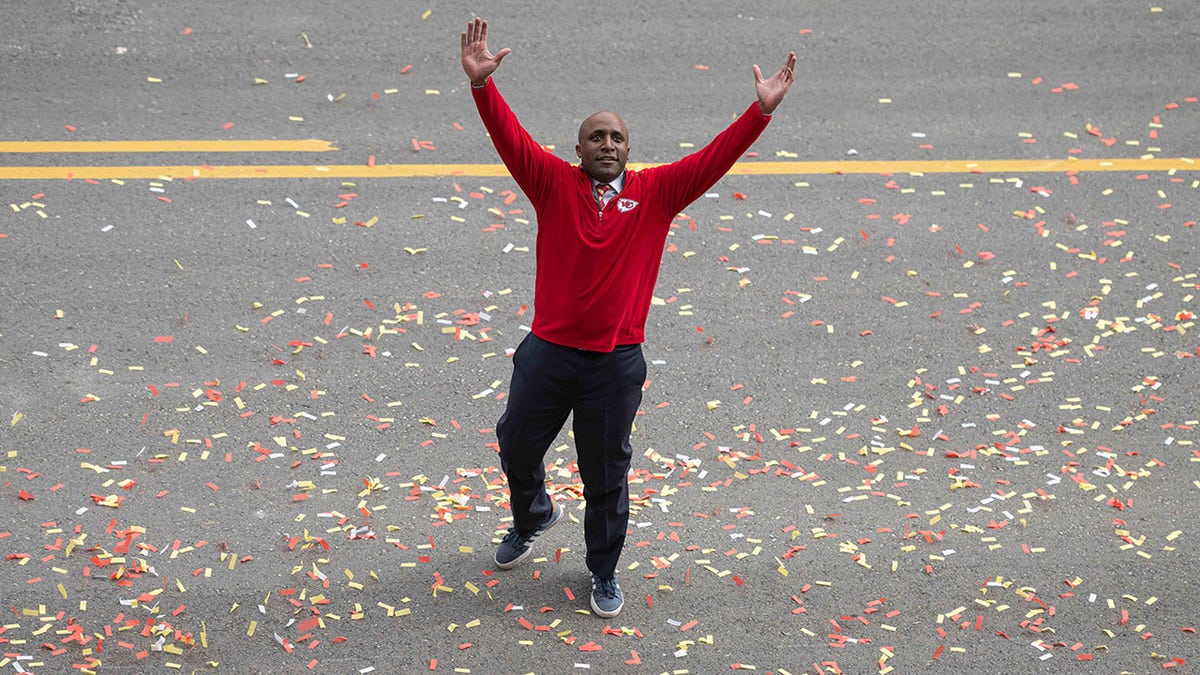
[
  {"x": 479, "y": 63},
  {"x": 772, "y": 89}
]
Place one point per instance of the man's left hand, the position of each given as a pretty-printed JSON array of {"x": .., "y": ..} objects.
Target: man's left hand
[{"x": 772, "y": 89}]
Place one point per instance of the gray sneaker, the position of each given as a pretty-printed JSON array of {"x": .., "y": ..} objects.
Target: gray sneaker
[
  {"x": 514, "y": 548},
  {"x": 607, "y": 599}
]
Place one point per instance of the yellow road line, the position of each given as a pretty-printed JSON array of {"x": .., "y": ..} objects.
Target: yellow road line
[
  {"x": 71, "y": 147},
  {"x": 898, "y": 167},
  {"x": 980, "y": 166}
]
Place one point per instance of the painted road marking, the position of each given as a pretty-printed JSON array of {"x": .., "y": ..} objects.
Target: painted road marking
[
  {"x": 71, "y": 147},
  {"x": 361, "y": 171}
]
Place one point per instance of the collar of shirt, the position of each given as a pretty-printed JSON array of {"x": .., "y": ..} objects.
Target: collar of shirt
[{"x": 617, "y": 184}]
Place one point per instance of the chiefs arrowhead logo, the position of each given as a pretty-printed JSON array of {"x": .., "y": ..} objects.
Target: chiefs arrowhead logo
[{"x": 626, "y": 205}]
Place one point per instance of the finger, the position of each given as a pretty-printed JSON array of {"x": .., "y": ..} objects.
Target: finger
[
  {"x": 757, "y": 73},
  {"x": 483, "y": 31},
  {"x": 501, "y": 54}
]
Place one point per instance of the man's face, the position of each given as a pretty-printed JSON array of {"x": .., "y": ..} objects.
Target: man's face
[{"x": 603, "y": 146}]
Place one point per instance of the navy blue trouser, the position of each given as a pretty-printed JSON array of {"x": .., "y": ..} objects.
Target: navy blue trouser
[{"x": 603, "y": 391}]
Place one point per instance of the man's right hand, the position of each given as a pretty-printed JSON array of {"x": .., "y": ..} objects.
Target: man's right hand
[{"x": 479, "y": 63}]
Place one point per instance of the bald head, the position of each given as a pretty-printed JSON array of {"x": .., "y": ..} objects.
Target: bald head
[{"x": 603, "y": 146}]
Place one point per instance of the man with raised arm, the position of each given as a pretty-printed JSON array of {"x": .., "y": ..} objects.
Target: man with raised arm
[{"x": 600, "y": 236}]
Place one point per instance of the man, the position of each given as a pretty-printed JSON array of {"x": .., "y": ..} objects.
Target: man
[{"x": 600, "y": 236}]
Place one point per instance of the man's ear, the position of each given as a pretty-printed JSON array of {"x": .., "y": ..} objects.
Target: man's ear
[{"x": 579, "y": 151}]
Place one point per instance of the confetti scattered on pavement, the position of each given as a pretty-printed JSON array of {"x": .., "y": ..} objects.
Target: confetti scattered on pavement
[{"x": 902, "y": 438}]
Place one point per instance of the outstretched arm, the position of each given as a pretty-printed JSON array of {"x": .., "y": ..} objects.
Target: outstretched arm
[
  {"x": 479, "y": 63},
  {"x": 772, "y": 89}
]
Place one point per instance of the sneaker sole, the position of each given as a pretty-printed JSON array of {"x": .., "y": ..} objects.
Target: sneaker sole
[
  {"x": 515, "y": 561},
  {"x": 557, "y": 516}
]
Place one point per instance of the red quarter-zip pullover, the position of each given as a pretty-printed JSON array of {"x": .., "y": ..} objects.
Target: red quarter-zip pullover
[{"x": 596, "y": 270}]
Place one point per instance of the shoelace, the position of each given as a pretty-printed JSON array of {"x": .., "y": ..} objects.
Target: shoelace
[
  {"x": 605, "y": 588},
  {"x": 514, "y": 538}
]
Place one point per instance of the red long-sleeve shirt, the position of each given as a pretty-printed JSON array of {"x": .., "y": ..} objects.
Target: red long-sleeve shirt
[{"x": 596, "y": 271}]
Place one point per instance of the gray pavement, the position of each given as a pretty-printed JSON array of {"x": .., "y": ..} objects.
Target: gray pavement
[{"x": 893, "y": 421}]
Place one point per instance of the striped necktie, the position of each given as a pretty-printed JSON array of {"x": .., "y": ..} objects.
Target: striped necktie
[{"x": 604, "y": 193}]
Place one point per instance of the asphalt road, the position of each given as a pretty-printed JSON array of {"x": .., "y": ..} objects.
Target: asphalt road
[{"x": 900, "y": 419}]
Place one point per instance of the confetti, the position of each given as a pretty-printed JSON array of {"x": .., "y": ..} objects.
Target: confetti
[{"x": 929, "y": 379}]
